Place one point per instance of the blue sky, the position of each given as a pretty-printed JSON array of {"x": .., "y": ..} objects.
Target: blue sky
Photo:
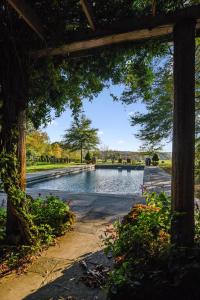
[{"x": 111, "y": 118}]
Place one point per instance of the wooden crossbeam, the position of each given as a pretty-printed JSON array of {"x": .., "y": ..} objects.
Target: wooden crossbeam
[
  {"x": 105, "y": 41},
  {"x": 88, "y": 13},
  {"x": 29, "y": 16},
  {"x": 129, "y": 30}
]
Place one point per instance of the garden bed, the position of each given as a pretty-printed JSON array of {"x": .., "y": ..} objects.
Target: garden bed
[
  {"x": 52, "y": 218},
  {"x": 147, "y": 265}
]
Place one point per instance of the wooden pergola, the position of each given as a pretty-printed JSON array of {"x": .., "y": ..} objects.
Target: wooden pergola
[{"x": 181, "y": 27}]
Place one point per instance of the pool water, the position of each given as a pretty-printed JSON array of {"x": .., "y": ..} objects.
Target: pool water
[{"x": 96, "y": 181}]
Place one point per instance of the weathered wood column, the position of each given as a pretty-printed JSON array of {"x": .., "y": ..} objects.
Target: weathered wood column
[{"x": 183, "y": 133}]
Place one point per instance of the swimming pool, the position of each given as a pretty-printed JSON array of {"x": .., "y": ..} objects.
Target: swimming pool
[{"x": 111, "y": 181}]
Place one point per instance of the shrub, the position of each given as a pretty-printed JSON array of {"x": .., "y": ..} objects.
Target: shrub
[
  {"x": 52, "y": 212},
  {"x": 51, "y": 216},
  {"x": 2, "y": 223},
  {"x": 88, "y": 157},
  {"x": 147, "y": 265},
  {"x": 139, "y": 240},
  {"x": 155, "y": 159}
]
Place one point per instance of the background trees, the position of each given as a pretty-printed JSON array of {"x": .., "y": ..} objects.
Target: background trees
[
  {"x": 81, "y": 136},
  {"x": 37, "y": 143},
  {"x": 156, "y": 123}
]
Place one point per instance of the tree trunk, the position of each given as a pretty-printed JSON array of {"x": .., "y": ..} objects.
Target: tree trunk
[
  {"x": 183, "y": 134},
  {"x": 81, "y": 154},
  {"x": 21, "y": 149},
  {"x": 13, "y": 93}
]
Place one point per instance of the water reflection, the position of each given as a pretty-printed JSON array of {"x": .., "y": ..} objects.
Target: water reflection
[{"x": 99, "y": 181}]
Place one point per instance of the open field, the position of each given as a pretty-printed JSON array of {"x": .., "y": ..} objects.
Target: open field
[
  {"x": 43, "y": 166},
  {"x": 166, "y": 165}
]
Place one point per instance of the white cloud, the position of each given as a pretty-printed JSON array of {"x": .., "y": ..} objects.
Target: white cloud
[{"x": 100, "y": 132}]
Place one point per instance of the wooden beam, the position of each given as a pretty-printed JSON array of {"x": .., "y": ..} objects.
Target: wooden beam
[
  {"x": 183, "y": 134},
  {"x": 26, "y": 12},
  {"x": 88, "y": 13},
  {"x": 125, "y": 31},
  {"x": 105, "y": 41}
]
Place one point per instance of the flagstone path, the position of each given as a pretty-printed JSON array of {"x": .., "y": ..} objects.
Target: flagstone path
[{"x": 57, "y": 273}]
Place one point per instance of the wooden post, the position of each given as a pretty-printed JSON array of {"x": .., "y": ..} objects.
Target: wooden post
[{"x": 183, "y": 133}]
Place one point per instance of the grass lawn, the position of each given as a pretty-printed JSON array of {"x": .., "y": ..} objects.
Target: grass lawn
[
  {"x": 43, "y": 166},
  {"x": 166, "y": 165}
]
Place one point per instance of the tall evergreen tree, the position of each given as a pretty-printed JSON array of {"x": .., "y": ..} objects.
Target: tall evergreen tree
[{"x": 80, "y": 136}]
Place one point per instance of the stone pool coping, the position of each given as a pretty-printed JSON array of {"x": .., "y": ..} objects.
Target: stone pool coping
[
  {"x": 156, "y": 179},
  {"x": 48, "y": 174}
]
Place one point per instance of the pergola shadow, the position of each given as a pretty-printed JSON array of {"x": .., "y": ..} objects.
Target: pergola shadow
[{"x": 71, "y": 282}]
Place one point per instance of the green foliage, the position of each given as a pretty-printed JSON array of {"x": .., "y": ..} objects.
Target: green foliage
[
  {"x": 166, "y": 165},
  {"x": 2, "y": 223},
  {"x": 156, "y": 123},
  {"x": 147, "y": 265},
  {"x": 19, "y": 201},
  {"x": 88, "y": 157},
  {"x": 51, "y": 215},
  {"x": 139, "y": 239},
  {"x": 42, "y": 166},
  {"x": 155, "y": 159},
  {"x": 81, "y": 136},
  {"x": 67, "y": 81},
  {"x": 55, "y": 83}
]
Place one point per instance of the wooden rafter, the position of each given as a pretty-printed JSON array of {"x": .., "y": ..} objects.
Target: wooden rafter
[
  {"x": 29, "y": 16},
  {"x": 105, "y": 41},
  {"x": 88, "y": 13},
  {"x": 129, "y": 30}
]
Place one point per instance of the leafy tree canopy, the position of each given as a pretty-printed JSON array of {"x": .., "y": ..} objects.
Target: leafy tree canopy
[
  {"x": 37, "y": 143},
  {"x": 57, "y": 83},
  {"x": 156, "y": 123},
  {"x": 80, "y": 136}
]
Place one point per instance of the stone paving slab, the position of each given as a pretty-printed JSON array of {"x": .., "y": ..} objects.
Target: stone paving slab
[
  {"x": 47, "y": 174},
  {"x": 17, "y": 287},
  {"x": 68, "y": 283},
  {"x": 156, "y": 179}
]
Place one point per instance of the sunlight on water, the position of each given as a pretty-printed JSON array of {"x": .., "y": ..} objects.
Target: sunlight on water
[{"x": 98, "y": 181}]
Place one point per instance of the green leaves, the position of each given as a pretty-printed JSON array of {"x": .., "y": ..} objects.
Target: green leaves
[
  {"x": 81, "y": 135},
  {"x": 156, "y": 123},
  {"x": 51, "y": 215},
  {"x": 140, "y": 239}
]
